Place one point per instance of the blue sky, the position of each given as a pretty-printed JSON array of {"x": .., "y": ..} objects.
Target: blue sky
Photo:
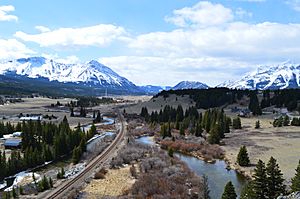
[{"x": 155, "y": 42}]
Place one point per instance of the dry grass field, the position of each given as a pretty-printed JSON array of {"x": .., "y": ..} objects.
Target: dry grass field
[
  {"x": 155, "y": 104},
  {"x": 116, "y": 182},
  {"x": 281, "y": 143},
  {"x": 38, "y": 106}
]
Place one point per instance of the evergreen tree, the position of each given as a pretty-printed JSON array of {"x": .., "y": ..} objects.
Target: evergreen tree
[
  {"x": 260, "y": 188},
  {"x": 61, "y": 173},
  {"x": 72, "y": 112},
  {"x": 229, "y": 191},
  {"x": 50, "y": 182},
  {"x": 236, "y": 123},
  {"x": 76, "y": 155},
  {"x": 177, "y": 125},
  {"x": 214, "y": 135},
  {"x": 286, "y": 120},
  {"x": 247, "y": 191},
  {"x": 274, "y": 179},
  {"x": 278, "y": 122},
  {"x": 296, "y": 180},
  {"x": 144, "y": 113},
  {"x": 14, "y": 193},
  {"x": 98, "y": 118},
  {"x": 257, "y": 124},
  {"x": 254, "y": 106},
  {"x": 295, "y": 122},
  {"x": 199, "y": 130},
  {"x": 181, "y": 131},
  {"x": 243, "y": 158}
]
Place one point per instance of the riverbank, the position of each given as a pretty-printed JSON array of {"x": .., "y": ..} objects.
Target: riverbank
[{"x": 216, "y": 171}]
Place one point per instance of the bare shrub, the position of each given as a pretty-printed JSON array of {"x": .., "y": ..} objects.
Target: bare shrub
[
  {"x": 100, "y": 174},
  {"x": 132, "y": 152},
  {"x": 207, "y": 151},
  {"x": 133, "y": 171}
]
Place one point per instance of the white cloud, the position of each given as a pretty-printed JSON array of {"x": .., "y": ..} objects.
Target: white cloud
[
  {"x": 192, "y": 51},
  {"x": 12, "y": 48},
  {"x": 144, "y": 70},
  {"x": 100, "y": 35},
  {"x": 295, "y": 4},
  {"x": 42, "y": 28},
  {"x": 203, "y": 13},
  {"x": 241, "y": 13},
  {"x": 211, "y": 45},
  {"x": 72, "y": 59},
  {"x": 237, "y": 40},
  {"x": 4, "y": 16}
]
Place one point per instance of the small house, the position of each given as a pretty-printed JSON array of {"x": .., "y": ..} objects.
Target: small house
[
  {"x": 17, "y": 134},
  {"x": 32, "y": 118},
  {"x": 13, "y": 144}
]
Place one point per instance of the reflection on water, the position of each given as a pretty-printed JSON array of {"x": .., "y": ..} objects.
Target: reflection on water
[{"x": 217, "y": 173}]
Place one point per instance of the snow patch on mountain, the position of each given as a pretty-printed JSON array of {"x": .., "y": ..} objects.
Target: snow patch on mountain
[
  {"x": 91, "y": 72},
  {"x": 285, "y": 75}
]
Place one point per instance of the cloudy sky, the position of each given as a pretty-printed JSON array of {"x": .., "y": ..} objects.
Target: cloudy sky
[{"x": 153, "y": 41}]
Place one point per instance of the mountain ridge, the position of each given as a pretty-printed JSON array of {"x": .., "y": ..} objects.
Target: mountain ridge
[{"x": 280, "y": 76}]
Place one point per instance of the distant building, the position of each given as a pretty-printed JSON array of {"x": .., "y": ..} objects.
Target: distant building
[
  {"x": 32, "y": 118},
  {"x": 244, "y": 113},
  {"x": 13, "y": 144},
  {"x": 17, "y": 134}
]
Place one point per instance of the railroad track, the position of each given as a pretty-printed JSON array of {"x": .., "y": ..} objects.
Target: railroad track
[{"x": 60, "y": 191}]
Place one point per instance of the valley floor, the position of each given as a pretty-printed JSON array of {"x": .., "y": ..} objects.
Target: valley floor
[{"x": 282, "y": 143}]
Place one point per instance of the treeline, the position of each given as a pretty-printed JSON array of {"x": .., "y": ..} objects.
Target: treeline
[
  {"x": 218, "y": 97},
  {"x": 5, "y": 129},
  {"x": 208, "y": 98},
  {"x": 43, "y": 142},
  {"x": 285, "y": 121},
  {"x": 281, "y": 98},
  {"x": 214, "y": 122},
  {"x": 90, "y": 101}
]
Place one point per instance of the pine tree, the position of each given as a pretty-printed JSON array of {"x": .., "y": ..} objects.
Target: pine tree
[
  {"x": 296, "y": 180},
  {"x": 260, "y": 188},
  {"x": 50, "y": 182},
  {"x": 247, "y": 191},
  {"x": 199, "y": 130},
  {"x": 236, "y": 123},
  {"x": 72, "y": 112},
  {"x": 257, "y": 124},
  {"x": 254, "y": 106},
  {"x": 181, "y": 131},
  {"x": 14, "y": 193},
  {"x": 286, "y": 120},
  {"x": 243, "y": 158},
  {"x": 229, "y": 191},
  {"x": 274, "y": 179},
  {"x": 214, "y": 135}
]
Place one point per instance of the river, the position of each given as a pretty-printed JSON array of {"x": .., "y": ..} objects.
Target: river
[{"x": 217, "y": 173}]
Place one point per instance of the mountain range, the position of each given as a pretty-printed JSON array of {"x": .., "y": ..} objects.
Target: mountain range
[
  {"x": 47, "y": 76},
  {"x": 285, "y": 75},
  {"x": 87, "y": 78}
]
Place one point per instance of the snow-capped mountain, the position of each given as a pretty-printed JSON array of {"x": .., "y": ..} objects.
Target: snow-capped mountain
[
  {"x": 285, "y": 75},
  {"x": 190, "y": 85},
  {"x": 92, "y": 74}
]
